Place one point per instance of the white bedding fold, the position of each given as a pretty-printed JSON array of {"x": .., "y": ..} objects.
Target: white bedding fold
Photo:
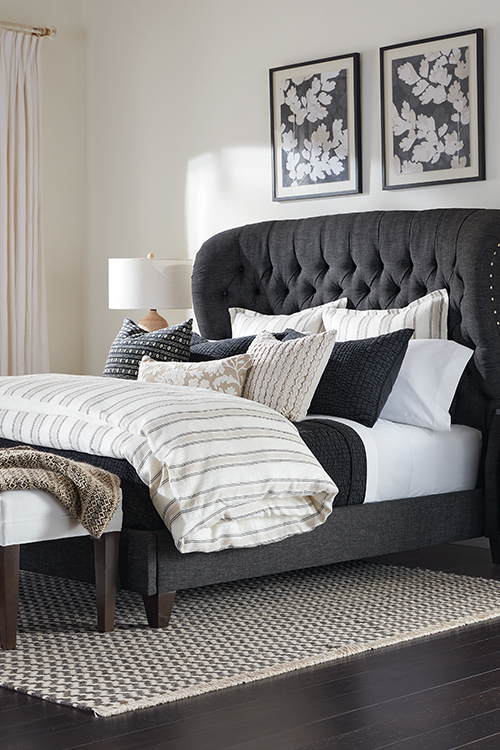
[{"x": 223, "y": 471}]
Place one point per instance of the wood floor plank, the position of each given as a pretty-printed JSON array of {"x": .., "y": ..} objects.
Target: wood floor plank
[
  {"x": 383, "y": 725},
  {"x": 454, "y": 735},
  {"x": 11, "y": 699},
  {"x": 487, "y": 743},
  {"x": 27, "y": 713}
]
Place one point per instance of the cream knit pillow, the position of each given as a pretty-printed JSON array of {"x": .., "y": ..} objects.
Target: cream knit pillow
[{"x": 284, "y": 375}]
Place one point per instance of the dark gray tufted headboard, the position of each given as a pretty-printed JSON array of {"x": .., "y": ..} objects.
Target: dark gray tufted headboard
[{"x": 378, "y": 259}]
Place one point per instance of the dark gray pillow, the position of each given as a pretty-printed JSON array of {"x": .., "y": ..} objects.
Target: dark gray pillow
[
  {"x": 197, "y": 339},
  {"x": 203, "y": 350},
  {"x": 209, "y": 350},
  {"x": 133, "y": 342},
  {"x": 359, "y": 377}
]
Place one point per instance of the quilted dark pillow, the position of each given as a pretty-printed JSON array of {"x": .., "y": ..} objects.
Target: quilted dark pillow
[
  {"x": 133, "y": 342},
  {"x": 208, "y": 350},
  {"x": 359, "y": 377},
  {"x": 203, "y": 350}
]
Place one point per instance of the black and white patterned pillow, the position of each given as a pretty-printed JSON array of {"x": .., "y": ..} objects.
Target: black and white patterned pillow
[
  {"x": 133, "y": 342},
  {"x": 359, "y": 377}
]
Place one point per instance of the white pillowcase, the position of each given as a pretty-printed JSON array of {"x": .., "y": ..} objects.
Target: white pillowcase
[
  {"x": 426, "y": 384},
  {"x": 248, "y": 322},
  {"x": 284, "y": 375},
  {"x": 224, "y": 375},
  {"x": 428, "y": 316}
]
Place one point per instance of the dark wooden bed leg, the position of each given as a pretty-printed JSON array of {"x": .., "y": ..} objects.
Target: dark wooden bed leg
[
  {"x": 9, "y": 594},
  {"x": 495, "y": 549},
  {"x": 106, "y": 573},
  {"x": 159, "y": 608}
]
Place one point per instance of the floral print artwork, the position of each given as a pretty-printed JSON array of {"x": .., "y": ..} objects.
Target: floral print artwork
[
  {"x": 313, "y": 120},
  {"x": 430, "y": 105}
]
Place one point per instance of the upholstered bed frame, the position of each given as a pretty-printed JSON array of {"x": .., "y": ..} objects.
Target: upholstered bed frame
[{"x": 378, "y": 259}]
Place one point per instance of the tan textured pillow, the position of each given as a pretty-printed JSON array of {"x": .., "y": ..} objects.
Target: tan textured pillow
[
  {"x": 225, "y": 375},
  {"x": 284, "y": 375}
]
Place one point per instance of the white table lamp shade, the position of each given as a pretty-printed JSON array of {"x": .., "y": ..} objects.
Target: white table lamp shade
[{"x": 149, "y": 283}]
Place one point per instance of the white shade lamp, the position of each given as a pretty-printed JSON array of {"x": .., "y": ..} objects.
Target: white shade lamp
[{"x": 149, "y": 283}]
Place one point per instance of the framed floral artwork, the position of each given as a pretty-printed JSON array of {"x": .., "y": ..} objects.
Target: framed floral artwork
[
  {"x": 315, "y": 128},
  {"x": 432, "y": 94}
]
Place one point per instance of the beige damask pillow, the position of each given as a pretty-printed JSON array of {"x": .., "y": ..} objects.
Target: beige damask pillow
[{"x": 225, "y": 375}]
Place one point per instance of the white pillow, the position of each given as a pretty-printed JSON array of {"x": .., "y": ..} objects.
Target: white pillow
[
  {"x": 284, "y": 375},
  {"x": 248, "y": 322},
  {"x": 225, "y": 375},
  {"x": 426, "y": 384},
  {"x": 428, "y": 316}
]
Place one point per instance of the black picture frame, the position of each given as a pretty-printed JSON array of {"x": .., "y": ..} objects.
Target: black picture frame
[
  {"x": 432, "y": 106},
  {"x": 316, "y": 128}
]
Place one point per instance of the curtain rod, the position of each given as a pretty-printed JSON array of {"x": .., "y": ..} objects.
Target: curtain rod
[{"x": 50, "y": 31}]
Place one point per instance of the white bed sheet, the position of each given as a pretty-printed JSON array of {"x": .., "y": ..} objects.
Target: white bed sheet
[{"x": 408, "y": 461}]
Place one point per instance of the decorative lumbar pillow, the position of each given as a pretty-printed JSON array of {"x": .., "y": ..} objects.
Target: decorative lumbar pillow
[
  {"x": 225, "y": 375},
  {"x": 359, "y": 377},
  {"x": 248, "y": 322},
  {"x": 133, "y": 343},
  {"x": 426, "y": 384},
  {"x": 284, "y": 375},
  {"x": 428, "y": 316}
]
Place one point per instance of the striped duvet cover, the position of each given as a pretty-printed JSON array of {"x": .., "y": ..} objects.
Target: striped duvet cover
[{"x": 222, "y": 471}]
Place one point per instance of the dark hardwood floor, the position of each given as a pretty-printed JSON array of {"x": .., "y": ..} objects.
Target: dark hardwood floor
[{"x": 436, "y": 693}]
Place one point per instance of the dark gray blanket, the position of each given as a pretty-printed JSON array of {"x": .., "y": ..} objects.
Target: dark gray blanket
[
  {"x": 341, "y": 453},
  {"x": 337, "y": 447}
]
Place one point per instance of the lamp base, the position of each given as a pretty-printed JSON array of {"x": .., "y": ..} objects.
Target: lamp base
[{"x": 153, "y": 322}]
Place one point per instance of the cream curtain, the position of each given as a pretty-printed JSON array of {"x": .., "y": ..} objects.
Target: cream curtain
[{"x": 23, "y": 319}]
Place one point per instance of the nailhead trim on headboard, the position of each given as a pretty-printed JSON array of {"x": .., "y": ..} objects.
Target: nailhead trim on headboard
[{"x": 492, "y": 265}]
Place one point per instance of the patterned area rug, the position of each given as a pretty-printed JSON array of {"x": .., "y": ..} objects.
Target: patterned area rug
[{"x": 226, "y": 634}]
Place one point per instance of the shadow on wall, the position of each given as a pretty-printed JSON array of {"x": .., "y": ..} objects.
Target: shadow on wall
[{"x": 226, "y": 189}]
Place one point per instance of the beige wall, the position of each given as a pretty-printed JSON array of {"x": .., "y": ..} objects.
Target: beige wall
[
  {"x": 156, "y": 130},
  {"x": 63, "y": 172}
]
